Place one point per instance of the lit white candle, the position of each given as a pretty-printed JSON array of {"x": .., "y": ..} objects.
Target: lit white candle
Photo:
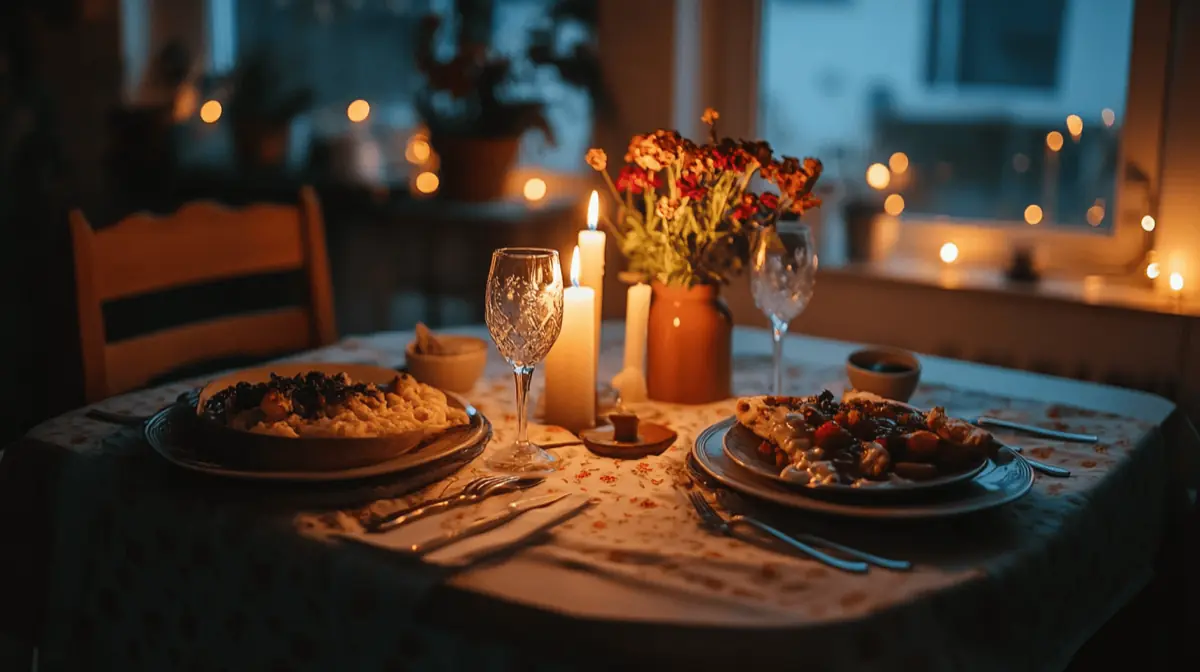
[
  {"x": 637, "y": 317},
  {"x": 571, "y": 364},
  {"x": 591, "y": 245}
]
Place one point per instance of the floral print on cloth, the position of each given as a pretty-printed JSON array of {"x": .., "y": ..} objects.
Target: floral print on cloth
[{"x": 153, "y": 568}]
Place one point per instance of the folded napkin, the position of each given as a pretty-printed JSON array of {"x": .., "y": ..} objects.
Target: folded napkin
[{"x": 467, "y": 549}]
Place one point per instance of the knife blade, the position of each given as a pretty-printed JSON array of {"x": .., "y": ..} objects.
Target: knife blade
[
  {"x": 482, "y": 525},
  {"x": 985, "y": 421}
]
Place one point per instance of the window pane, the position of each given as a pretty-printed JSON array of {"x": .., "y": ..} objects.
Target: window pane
[
  {"x": 342, "y": 51},
  {"x": 980, "y": 108}
]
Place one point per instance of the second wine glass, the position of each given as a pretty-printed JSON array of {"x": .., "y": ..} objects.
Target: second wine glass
[
  {"x": 524, "y": 312},
  {"x": 784, "y": 264}
]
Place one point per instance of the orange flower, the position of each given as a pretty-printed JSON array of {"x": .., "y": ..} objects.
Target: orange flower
[
  {"x": 597, "y": 159},
  {"x": 710, "y": 116}
]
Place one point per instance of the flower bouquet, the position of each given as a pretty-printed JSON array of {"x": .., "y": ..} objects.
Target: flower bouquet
[
  {"x": 685, "y": 210},
  {"x": 684, "y": 215}
]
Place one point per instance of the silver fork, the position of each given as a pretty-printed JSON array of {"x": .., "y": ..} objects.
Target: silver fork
[
  {"x": 713, "y": 521},
  {"x": 870, "y": 558},
  {"x": 473, "y": 492}
]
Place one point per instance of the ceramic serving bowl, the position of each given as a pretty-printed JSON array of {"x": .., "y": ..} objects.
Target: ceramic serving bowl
[
  {"x": 889, "y": 372},
  {"x": 455, "y": 373}
]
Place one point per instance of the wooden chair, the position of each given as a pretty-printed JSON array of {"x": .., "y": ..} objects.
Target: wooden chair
[{"x": 201, "y": 242}]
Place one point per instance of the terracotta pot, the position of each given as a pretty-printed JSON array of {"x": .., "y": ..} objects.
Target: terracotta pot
[
  {"x": 474, "y": 170},
  {"x": 689, "y": 346}
]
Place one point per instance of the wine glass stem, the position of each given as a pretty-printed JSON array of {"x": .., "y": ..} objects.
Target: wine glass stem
[
  {"x": 523, "y": 376},
  {"x": 778, "y": 330}
]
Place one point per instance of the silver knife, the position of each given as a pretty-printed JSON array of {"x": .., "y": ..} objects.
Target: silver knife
[
  {"x": 984, "y": 421},
  {"x": 482, "y": 525}
]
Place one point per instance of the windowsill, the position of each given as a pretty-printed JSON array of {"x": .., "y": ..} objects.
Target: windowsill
[{"x": 1109, "y": 292}]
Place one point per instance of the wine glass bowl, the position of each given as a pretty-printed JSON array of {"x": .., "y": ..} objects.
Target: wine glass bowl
[
  {"x": 784, "y": 275},
  {"x": 523, "y": 311}
]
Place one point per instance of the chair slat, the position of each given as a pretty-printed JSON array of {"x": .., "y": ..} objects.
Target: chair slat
[{"x": 134, "y": 362}]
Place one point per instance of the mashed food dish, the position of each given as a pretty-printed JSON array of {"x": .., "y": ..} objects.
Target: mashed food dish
[
  {"x": 317, "y": 405},
  {"x": 861, "y": 440}
]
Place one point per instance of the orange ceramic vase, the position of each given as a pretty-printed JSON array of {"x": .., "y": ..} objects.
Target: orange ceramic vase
[{"x": 689, "y": 345}]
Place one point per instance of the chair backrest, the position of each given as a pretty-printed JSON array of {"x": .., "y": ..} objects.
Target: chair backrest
[{"x": 201, "y": 242}]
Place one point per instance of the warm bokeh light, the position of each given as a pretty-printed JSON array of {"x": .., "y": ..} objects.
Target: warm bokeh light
[
  {"x": 878, "y": 176},
  {"x": 535, "y": 189},
  {"x": 1020, "y": 163},
  {"x": 1176, "y": 282},
  {"x": 898, "y": 163},
  {"x": 893, "y": 204},
  {"x": 1152, "y": 270},
  {"x": 427, "y": 183},
  {"x": 575, "y": 270},
  {"x": 1108, "y": 116},
  {"x": 1148, "y": 223},
  {"x": 593, "y": 216},
  {"x": 1074, "y": 124},
  {"x": 1054, "y": 140},
  {"x": 210, "y": 112},
  {"x": 418, "y": 150},
  {"x": 1095, "y": 215},
  {"x": 358, "y": 111},
  {"x": 1033, "y": 214},
  {"x": 949, "y": 253}
]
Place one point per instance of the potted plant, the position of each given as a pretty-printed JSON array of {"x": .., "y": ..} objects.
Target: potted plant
[
  {"x": 260, "y": 111},
  {"x": 684, "y": 217},
  {"x": 475, "y": 122}
]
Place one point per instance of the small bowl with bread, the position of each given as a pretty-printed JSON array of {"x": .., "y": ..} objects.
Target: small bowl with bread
[{"x": 448, "y": 362}]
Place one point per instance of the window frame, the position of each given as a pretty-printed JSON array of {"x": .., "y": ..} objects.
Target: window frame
[{"x": 729, "y": 51}]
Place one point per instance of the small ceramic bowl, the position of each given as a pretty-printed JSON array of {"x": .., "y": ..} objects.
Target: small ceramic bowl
[
  {"x": 454, "y": 373},
  {"x": 889, "y": 372}
]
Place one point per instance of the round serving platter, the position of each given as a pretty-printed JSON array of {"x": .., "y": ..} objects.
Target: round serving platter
[
  {"x": 997, "y": 484},
  {"x": 181, "y": 437},
  {"x": 741, "y": 446}
]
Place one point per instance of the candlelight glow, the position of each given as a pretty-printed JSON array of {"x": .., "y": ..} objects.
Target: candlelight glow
[
  {"x": 949, "y": 253},
  {"x": 593, "y": 211},
  {"x": 898, "y": 163},
  {"x": 210, "y": 112},
  {"x": 535, "y": 189},
  {"x": 1033, "y": 214},
  {"x": 893, "y": 204},
  {"x": 1148, "y": 223},
  {"x": 878, "y": 176},
  {"x": 1054, "y": 140},
  {"x": 358, "y": 111},
  {"x": 1152, "y": 270},
  {"x": 417, "y": 151},
  {"x": 1095, "y": 215},
  {"x": 1074, "y": 124},
  {"x": 427, "y": 183},
  {"x": 1108, "y": 116},
  {"x": 1176, "y": 281},
  {"x": 575, "y": 266}
]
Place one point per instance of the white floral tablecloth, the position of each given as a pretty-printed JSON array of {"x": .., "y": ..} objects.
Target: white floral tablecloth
[{"x": 151, "y": 568}]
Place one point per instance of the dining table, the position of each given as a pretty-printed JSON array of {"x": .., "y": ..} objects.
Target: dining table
[{"x": 135, "y": 564}]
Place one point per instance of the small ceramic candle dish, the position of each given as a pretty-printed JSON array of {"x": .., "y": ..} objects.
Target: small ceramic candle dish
[{"x": 889, "y": 372}]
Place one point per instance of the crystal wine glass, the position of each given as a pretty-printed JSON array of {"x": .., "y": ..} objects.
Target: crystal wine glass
[
  {"x": 524, "y": 315},
  {"x": 784, "y": 262}
]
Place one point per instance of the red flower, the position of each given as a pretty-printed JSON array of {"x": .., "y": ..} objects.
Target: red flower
[
  {"x": 769, "y": 202},
  {"x": 746, "y": 208},
  {"x": 690, "y": 187},
  {"x": 636, "y": 179}
]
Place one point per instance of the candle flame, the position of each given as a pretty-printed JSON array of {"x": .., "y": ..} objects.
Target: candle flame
[
  {"x": 575, "y": 266},
  {"x": 593, "y": 211}
]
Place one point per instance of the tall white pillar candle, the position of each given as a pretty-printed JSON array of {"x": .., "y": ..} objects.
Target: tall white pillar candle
[
  {"x": 591, "y": 246},
  {"x": 637, "y": 317},
  {"x": 570, "y": 400}
]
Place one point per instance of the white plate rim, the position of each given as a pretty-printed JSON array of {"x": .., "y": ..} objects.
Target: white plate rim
[{"x": 877, "y": 509}]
